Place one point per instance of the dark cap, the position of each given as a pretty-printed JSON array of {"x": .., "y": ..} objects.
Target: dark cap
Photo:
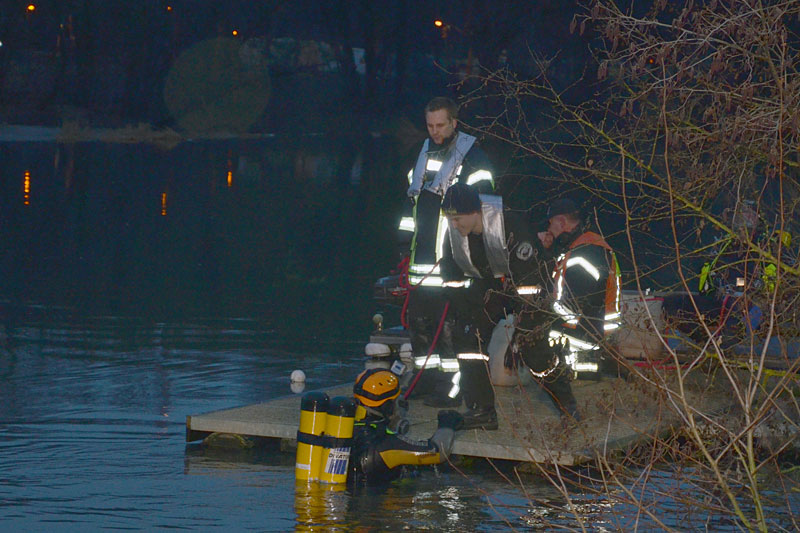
[
  {"x": 461, "y": 199},
  {"x": 562, "y": 206}
]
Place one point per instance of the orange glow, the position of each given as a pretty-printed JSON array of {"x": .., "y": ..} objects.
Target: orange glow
[
  {"x": 163, "y": 204},
  {"x": 235, "y": 33},
  {"x": 169, "y": 8},
  {"x": 438, "y": 23},
  {"x": 230, "y": 178},
  {"x": 31, "y": 8},
  {"x": 26, "y": 188}
]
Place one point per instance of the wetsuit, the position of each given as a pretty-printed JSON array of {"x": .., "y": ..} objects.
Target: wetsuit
[{"x": 378, "y": 452}]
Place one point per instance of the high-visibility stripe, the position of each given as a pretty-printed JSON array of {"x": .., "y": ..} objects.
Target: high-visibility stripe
[
  {"x": 571, "y": 359},
  {"x": 450, "y": 365},
  {"x": 610, "y": 326},
  {"x": 585, "y": 367},
  {"x": 456, "y": 388},
  {"x": 410, "y": 176},
  {"x": 407, "y": 224},
  {"x": 525, "y": 290},
  {"x": 425, "y": 275},
  {"x": 568, "y": 316},
  {"x": 420, "y": 268},
  {"x": 585, "y": 264},
  {"x": 479, "y": 175},
  {"x": 433, "y": 361},
  {"x": 433, "y": 165},
  {"x": 458, "y": 284},
  {"x": 544, "y": 373},
  {"x": 574, "y": 343},
  {"x": 472, "y": 357},
  {"x": 429, "y": 281},
  {"x": 440, "y": 232}
]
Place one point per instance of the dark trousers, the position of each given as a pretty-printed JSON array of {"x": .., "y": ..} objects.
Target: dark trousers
[
  {"x": 425, "y": 308},
  {"x": 476, "y": 311},
  {"x": 542, "y": 356}
]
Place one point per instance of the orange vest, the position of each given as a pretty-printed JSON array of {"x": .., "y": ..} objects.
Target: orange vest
[{"x": 612, "y": 296}]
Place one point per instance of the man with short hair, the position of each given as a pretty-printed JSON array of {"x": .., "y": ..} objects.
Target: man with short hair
[
  {"x": 586, "y": 292},
  {"x": 448, "y": 156},
  {"x": 493, "y": 253}
]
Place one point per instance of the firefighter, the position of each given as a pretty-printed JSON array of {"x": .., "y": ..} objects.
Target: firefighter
[
  {"x": 586, "y": 290},
  {"x": 448, "y": 156},
  {"x": 378, "y": 452},
  {"x": 497, "y": 259}
]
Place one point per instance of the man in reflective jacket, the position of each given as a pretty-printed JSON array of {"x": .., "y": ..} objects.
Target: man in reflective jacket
[
  {"x": 448, "y": 156},
  {"x": 497, "y": 260},
  {"x": 586, "y": 288}
]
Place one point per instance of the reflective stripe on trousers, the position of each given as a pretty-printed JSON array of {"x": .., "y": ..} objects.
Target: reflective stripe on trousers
[{"x": 433, "y": 361}]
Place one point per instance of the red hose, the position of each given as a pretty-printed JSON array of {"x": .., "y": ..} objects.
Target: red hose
[{"x": 430, "y": 351}]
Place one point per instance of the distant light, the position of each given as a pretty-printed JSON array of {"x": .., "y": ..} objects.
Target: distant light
[
  {"x": 235, "y": 33},
  {"x": 1, "y": 44},
  {"x": 230, "y": 178},
  {"x": 31, "y": 8},
  {"x": 438, "y": 23},
  {"x": 163, "y": 204},
  {"x": 169, "y": 8},
  {"x": 26, "y": 188}
]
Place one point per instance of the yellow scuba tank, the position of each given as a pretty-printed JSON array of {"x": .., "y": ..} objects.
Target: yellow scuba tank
[
  {"x": 313, "y": 417},
  {"x": 338, "y": 440}
]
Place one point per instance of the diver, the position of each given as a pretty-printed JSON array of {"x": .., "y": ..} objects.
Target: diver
[{"x": 378, "y": 452}]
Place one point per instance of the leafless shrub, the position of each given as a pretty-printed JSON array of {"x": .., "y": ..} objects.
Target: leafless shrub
[{"x": 692, "y": 124}]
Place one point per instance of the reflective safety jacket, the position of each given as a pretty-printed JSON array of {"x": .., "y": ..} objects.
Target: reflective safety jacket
[
  {"x": 501, "y": 268},
  {"x": 586, "y": 292},
  {"x": 709, "y": 274},
  {"x": 507, "y": 249},
  {"x": 436, "y": 169}
]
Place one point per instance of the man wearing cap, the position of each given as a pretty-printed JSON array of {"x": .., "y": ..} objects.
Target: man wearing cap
[
  {"x": 446, "y": 157},
  {"x": 586, "y": 290},
  {"x": 494, "y": 254}
]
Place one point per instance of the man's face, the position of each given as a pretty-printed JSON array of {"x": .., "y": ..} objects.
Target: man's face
[
  {"x": 465, "y": 223},
  {"x": 557, "y": 226},
  {"x": 440, "y": 125}
]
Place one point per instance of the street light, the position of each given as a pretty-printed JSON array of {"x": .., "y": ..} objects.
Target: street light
[{"x": 31, "y": 8}]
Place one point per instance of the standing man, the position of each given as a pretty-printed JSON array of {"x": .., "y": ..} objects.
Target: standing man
[
  {"x": 448, "y": 156},
  {"x": 494, "y": 253},
  {"x": 586, "y": 292}
]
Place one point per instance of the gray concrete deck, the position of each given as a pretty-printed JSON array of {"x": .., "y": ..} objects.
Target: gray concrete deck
[{"x": 615, "y": 414}]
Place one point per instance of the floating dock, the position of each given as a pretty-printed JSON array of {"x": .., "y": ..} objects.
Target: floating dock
[{"x": 616, "y": 415}]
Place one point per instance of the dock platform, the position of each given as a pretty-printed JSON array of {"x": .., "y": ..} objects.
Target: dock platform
[{"x": 616, "y": 414}]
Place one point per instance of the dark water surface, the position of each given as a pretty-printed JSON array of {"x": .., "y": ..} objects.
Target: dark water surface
[{"x": 141, "y": 285}]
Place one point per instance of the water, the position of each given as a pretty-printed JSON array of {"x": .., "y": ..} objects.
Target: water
[{"x": 124, "y": 312}]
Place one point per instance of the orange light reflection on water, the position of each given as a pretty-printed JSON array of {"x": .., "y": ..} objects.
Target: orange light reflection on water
[{"x": 26, "y": 188}]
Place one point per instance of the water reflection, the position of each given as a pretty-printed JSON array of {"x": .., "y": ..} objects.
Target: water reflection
[
  {"x": 211, "y": 228},
  {"x": 26, "y": 188}
]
